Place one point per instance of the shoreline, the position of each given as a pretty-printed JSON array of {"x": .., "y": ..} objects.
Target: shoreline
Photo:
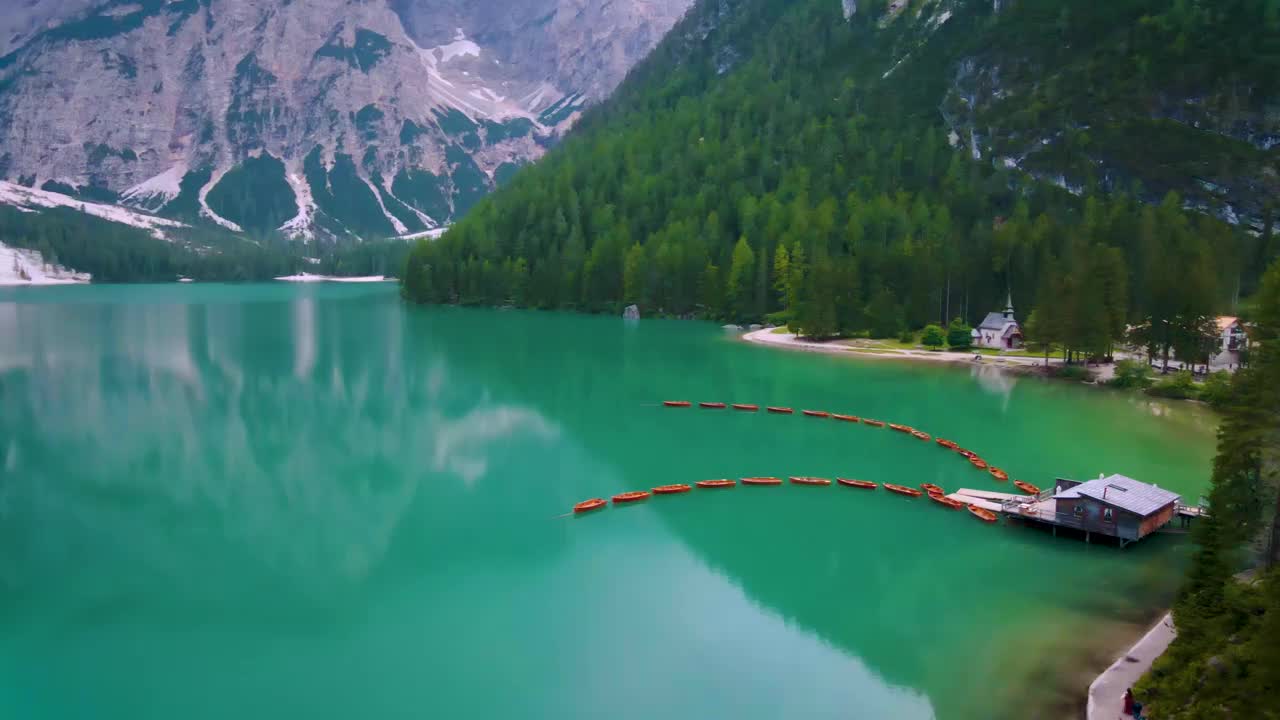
[
  {"x": 1106, "y": 693},
  {"x": 788, "y": 341},
  {"x": 306, "y": 277},
  {"x": 1103, "y": 698}
]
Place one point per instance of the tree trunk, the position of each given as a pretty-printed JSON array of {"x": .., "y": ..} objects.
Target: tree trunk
[{"x": 946, "y": 301}]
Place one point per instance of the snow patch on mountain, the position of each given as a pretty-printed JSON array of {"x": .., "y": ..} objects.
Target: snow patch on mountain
[
  {"x": 460, "y": 47},
  {"x": 30, "y": 198},
  {"x": 206, "y": 211},
  {"x": 429, "y": 234},
  {"x": 426, "y": 219},
  {"x": 395, "y": 221},
  {"x": 19, "y": 266},
  {"x": 153, "y": 193},
  {"x": 299, "y": 227}
]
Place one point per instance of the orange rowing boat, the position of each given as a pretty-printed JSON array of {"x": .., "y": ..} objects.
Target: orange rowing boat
[
  {"x": 816, "y": 413},
  {"x": 712, "y": 405},
  {"x": 761, "y": 481},
  {"x": 632, "y": 496},
  {"x": 998, "y": 474},
  {"x": 846, "y": 418},
  {"x": 676, "y": 403},
  {"x": 715, "y": 483},
  {"x": 982, "y": 513},
  {"x": 589, "y": 505},
  {"x": 946, "y": 501},
  {"x": 744, "y": 406},
  {"x": 1026, "y": 487},
  {"x": 864, "y": 484},
  {"x": 920, "y": 435},
  {"x": 902, "y": 490},
  {"x": 931, "y": 488},
  {"x": 966, "y": 453},
  {"x": 872, "y": 423},
  {"x": 978, "y": 462},
  {"x": 780, "y": 410},
  {"x": 809, "y": 481},
  {"x": 901, "y": 428},
  {"x": 671, "y": 489},
  {"x": 946, "y": 443}
]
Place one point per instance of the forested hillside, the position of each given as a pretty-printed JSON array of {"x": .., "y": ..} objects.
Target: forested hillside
[
  {"x": 859, "y": 174},
  {"x": 114, "y": 252},
  {"x": 1225, "y": 661}
]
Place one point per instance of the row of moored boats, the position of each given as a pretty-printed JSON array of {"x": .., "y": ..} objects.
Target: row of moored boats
[
  {"x": 934, "y": 492},
  {"x": 974, "y": 459}
]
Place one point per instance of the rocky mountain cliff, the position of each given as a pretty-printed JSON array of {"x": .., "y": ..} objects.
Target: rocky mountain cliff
[{"x": 324, "y": 118}]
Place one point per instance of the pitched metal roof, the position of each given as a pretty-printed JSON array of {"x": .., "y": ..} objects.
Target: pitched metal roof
[
  {"x": 1124, "y": 493},
  {"x": 994, "y": 321}
]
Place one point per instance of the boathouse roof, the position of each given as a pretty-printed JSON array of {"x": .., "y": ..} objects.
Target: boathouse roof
[{"x": 1123, "y": 492}]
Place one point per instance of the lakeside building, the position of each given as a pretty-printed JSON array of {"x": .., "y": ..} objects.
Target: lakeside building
[
  {"x": 1115, "y": 506},
  {"x": 1231, "y": 334},
  {"x": 999, "y": 330}
]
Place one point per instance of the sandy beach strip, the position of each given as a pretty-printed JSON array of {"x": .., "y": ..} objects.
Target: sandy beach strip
[{"x": 788, "y": 341}]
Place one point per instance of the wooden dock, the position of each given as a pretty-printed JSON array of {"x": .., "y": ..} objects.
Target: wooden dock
[
  {"x": 995, "y": 497},
  {"x": 976, "y": 502}
]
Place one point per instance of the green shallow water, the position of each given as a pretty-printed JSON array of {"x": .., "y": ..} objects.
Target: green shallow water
[{"x": 279, "y": 501}]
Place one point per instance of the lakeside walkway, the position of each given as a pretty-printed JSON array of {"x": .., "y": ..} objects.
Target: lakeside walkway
[
  {"x": 1106, "y": 693},
  {"x": 768, "y": 336}
]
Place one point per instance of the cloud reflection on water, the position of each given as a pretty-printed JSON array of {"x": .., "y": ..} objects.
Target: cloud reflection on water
[{"x": 143, "y": 434}]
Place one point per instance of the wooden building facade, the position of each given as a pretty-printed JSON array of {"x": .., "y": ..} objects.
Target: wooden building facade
[{"x": 1114, "y": 506}]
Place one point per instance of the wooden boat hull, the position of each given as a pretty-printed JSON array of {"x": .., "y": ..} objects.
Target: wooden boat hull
[
  {"x": 676, "y": 403},
  {"x": 931, "y": 488},
  {"x": 978, "y": 462},
  {"x": 998, "y": 474},
  {"x": 746, "y": 407},
  {"x": 781, "y": 410},
  {"x": 845, "y": 418},
  {"x": 715, "y": 483},
  {"x": 948, "y": 444},
  {"x": 902, "y": 490},
  {"x": 712, "y": 405},
  {"x": 864, "y": 484},
  {"x": 920, "y": 435},
  {"x": 761, "y": 481},
  {"x": 982, "y": 514},
  {"x": 946, "y": 502},
  {"x": 816, "y": 413},
  {"x": 589, "y": 505},
  {"x": 901, "y": 428},
  {"x": 809, "y": 481},
  {"x": 1026, "y": 487},
  {"x": 672, "y": 489},
  {"x": 872, "y": 423},
  {"x": 966, "y": 453},
  {"x": 633, "y": 496}
]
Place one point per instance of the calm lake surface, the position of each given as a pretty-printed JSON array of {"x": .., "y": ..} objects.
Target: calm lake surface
[{"x": 272, "y": 501}]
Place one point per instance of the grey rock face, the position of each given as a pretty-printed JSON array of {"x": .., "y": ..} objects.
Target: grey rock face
[
  {"x": 23, "y": 19},
  {"x": 388, "y": 116}
]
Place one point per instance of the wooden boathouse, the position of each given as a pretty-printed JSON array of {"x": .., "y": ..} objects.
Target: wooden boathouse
[{"x": 1115, "y": 507}]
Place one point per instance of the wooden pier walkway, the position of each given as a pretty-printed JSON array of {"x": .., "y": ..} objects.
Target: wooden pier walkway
[
  {"x": 976, "y": 502},
  {"x": 996, "y": 497}
]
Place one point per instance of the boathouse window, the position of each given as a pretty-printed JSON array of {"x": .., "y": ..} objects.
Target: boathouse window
[
  {"x": 1079, "y": 510},
  {"x": 1106, "y": 514}
]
